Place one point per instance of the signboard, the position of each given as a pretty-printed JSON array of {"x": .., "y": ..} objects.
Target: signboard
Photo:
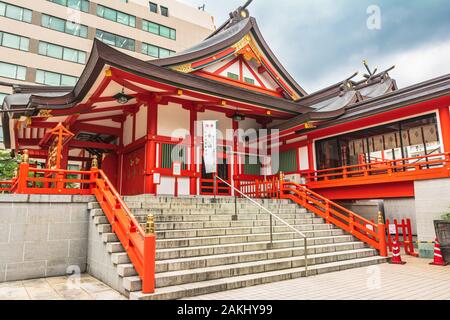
[
  {"x": 210, "y": 146},
  {"x": 177, "y": 169},
  {"x": 392, "y": 229}
]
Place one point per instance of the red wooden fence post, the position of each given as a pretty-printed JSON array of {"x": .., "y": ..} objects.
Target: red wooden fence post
[
  {"x": 382, "y": 240},
  {"x": 148, "y": 278},
  {"x": 22, "y": 176}
]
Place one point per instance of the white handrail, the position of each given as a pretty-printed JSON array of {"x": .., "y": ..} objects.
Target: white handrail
[{"x": 276, "y": 217}]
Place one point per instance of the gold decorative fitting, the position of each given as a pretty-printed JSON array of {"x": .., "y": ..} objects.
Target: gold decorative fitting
[
  {"x": 45, "y": 113},
  {"x": 183, "y": 68},
  {"x": 180, "y": 92},
  {"x": 309, "y": 125},
  {"x": 94, "y": 162},
  {"x": 25, "y": 156},
  {"x": 108, "y": 73},
  {"x": 380, "y": 218},
  {"x": 150, "y": 225}
]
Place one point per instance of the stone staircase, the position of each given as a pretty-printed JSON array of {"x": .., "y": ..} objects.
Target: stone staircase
[{"x": 203, "y": 247}]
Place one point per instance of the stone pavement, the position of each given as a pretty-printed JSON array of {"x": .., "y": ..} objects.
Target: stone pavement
[
  {"x": 414, "y": 281},
  {"x": 59, "y": 288}
]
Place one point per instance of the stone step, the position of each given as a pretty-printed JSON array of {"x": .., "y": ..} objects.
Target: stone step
[
  {"x": 160, "y": 226},
  {"x": 215, "y": 240},
  {"x": 198, "y": 233},
  {"x": 235, "y": 282},
  {"x": 120, "y": 258},
  {"x": 229, "y": 207},
  {"x": 126, "y": 270},
  {"x": 104, "y": 228},
  {"x": 114, "y": 247},
  {"x": 144, "y": 212},
  {"x": 176, "y": 253},
  {"x": 250, "y": 256},
  {"x": 198, "y": 199},
  {"x": 223, "y": 217},
  {"x": 100, "y": 220},
  {"x": 110, "y": 237},
  {"x": 96, "y": 212}
]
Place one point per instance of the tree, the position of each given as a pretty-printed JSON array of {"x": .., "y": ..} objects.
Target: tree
[{"x": 8, "y": 165}]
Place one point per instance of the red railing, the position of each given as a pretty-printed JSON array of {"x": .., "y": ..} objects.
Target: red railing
[
  {"x": 257, "y": 187},
  {"x": 361, "y": 228},
  {"x": 140, "y": 246},
  {"x": 418, "y": 168}
]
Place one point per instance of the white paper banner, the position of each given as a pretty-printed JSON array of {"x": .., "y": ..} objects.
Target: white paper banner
[{"x": 210, "y": 146}]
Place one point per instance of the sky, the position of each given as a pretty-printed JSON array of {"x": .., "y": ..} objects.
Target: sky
[{"x": 322, "y": 42}]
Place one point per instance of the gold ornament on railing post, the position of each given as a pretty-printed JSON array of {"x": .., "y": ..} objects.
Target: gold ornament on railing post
[
  {"x": 94, "y": 162},
  {"x": 380, "y": 218},
  {"x": 25, "y": 156},
  {"x": 150, "y": 225}
]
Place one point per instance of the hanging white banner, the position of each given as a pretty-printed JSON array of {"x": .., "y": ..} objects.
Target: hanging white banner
[{"x": 210, "y": 146}]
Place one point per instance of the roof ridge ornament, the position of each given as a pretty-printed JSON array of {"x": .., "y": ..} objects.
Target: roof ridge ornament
[{"x": 240, "y": 14}]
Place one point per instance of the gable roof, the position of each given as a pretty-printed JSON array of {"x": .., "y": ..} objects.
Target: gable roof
[{"x": 226, "y": 36}]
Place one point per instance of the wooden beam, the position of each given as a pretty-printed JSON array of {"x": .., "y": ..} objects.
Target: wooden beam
[
  {"x": 92, "y": 145},
  {"x": 93, "y": 128}
]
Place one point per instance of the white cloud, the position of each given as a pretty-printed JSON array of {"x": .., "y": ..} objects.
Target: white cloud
[{"x": 412, "y": 66}]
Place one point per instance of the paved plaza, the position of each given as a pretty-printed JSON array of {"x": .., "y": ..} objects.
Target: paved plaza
[
  {"x": 59, "y": 288},
  {"x": 416, "y": 280}
]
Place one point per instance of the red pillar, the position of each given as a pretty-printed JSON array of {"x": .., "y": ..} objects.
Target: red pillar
[
  {"x": 152, "y": 131},
  {"x": 235, "y": 155},
  {"x": 444, "y": 118},
  {"x": 193, "y": 165}
]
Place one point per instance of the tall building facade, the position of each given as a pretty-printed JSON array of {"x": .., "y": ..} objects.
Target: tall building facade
[{"x": 48, "y": 42}]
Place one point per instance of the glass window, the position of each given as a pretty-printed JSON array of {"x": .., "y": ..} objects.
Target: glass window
[
  {"x": 164, "y": 11},
  {"x": 155, "y": 51},
  {"x": 159, "y": 29},
  {"x": 164, "y": 53},
  {"x": 12, "y": 71},
  {"x": 61, "y": 25},
  {"x": 115, "y": 40},
  {"x": 153, "y": 7},
  {"x": 117, "y": 16},
  {"x": 14, "y": 42},
  {"x": 82, "y": 5},
  {"x": 405, "y": 139},
  {"x": 55, "y": 79},
  {"x": 59, "y": 52},
  {"x": 15, "y": 12}
]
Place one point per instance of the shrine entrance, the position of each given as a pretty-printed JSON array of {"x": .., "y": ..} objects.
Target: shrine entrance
[{"x": 223, "y": 171}]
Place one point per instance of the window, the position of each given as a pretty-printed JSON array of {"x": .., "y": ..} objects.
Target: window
[
  {"x": 82, "y": 5},
  {"x": 116, "y": 16},
  {"x": 55, "y": 79},
  {"x": 252, "y": 165},
  {"x": 2, "y": 98},
  {"x": 232, "y": 76},
  {"x": 14, "y": 42},
  {"x": 64, "y": 26},
  {"x": 155, "y": 51},
  {"x": 63, "y": 53},
  {"x": 398, "y": 140},
  {"x": 153, "y": 7},
  {"x": 164, "y": 11},
  {"x": 171, "y": 153},
  {"x": 249, "y": 80},
  {"x": 115, "y": 40},
  {"x": 12, "y": 71},
  {"x": 288, "y": 161},
  {"x": 159, "y": 29},
  {"x": 14, "y": 12}
]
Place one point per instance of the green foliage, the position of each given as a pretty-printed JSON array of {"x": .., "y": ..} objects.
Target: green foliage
[
  {"x": 446, "y": 216},
  {"x": 7, "y": 165}
]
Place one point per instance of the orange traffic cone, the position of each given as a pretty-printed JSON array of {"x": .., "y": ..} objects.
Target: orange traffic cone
[
  {"x": 438, "y": 260},
  {"x": 396, "y": 258}
]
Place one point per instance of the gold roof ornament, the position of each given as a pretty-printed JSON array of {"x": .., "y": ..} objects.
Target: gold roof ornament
[
  {"x": 183, "y": 68},
  {"x": 44, "y": 113}
]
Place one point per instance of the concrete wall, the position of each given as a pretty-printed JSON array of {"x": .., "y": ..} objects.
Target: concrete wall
[
  {"x": 401, "y": 209},
  {"x": 366, "y": 209},
  {"x": 99, "y": 260},
  {"x": 41, "y": 236},
  {"x": 432, "y": 201}
]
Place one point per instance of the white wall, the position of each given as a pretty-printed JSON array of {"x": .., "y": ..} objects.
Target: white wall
[
  {"x": 141, "y": 122},
  {"x": 304, "y": 161},
  {"x": 171, "y": 119},
  {"x": 128, "y": 130}
]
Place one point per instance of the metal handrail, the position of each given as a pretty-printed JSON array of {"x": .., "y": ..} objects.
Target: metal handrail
[{"x": 305, "y": 238}]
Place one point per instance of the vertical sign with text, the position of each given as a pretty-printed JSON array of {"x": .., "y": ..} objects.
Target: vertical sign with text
[{"x": 210, "y": 146}]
